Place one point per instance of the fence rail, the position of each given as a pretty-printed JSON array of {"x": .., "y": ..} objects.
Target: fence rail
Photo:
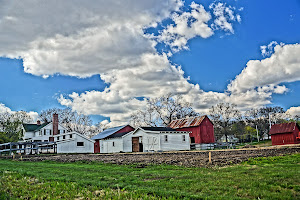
[{"x": 28, "y": 147}]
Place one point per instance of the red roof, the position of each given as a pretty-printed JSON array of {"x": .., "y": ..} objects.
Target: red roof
[
  {"x": 186, "y": 122},
  {"x": 283, "y": 128}
]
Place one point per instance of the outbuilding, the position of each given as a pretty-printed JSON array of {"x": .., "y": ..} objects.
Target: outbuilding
[
  {"x": 108, "y": 132},
  {"x": 146, "y": 139},
  {"x": 73, "y": 142},
  {"x": 285, "y": 133},
  {"x": 201, "y": 129}
]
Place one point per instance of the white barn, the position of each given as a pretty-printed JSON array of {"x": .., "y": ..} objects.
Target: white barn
[
  {"x": 146, "y": 139},
  {"x": 73, "y": 142}
]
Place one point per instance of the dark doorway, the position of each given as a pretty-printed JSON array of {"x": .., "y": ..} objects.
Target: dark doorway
[
  {"x": 141, "y": 147},
  {"x": 192, "y": 140}
]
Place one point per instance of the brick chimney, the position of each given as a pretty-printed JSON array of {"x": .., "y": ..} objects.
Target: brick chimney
[
  {"x": 38, "y": 122},
  {"x": 55, "y": 124}
]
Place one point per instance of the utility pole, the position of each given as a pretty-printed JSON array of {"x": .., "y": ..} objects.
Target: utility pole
[
  {"x": 270, "y": 121},
  {"x": 257, "y": 134}
]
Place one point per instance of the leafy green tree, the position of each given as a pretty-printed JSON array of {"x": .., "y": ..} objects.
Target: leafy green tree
[
  {"x": 238, "y": 129},
  {"x": 11, "y": 126},
  {"x": 250, "y": 133}
]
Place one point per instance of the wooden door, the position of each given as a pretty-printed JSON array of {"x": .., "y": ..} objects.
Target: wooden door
[{"x": 135, "y": 144}]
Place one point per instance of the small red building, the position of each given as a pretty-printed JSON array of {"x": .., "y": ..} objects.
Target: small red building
[
  {"x": 286, "y": 133},
  {"x": 108, "y": 132},
  {"x": 201, "y": 129}
]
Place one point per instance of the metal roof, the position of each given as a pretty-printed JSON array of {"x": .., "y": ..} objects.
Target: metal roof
[
  {"x": 186, "y": 122},
  {"x": 158, "y": 129},
  {"x": 107, "y": 132},
  {"x": 34, "y": 127},
  {"x": 283, "y": 128}
]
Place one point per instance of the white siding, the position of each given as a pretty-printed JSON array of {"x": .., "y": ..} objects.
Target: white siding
[
  {"x": 43, "y": 134},
  {"x": 151, "y": 142},
  {"x": 175, "y": 141},
  {"x": 155, "y": 141},
  {"x": 127, "y": 143},
  {"x": 28, "y": 135},
  {"x": 114, "y": 145},
  {"x": 69, "y": 145}
]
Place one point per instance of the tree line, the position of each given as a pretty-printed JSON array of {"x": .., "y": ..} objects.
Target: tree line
[
  {"x": 228, "y": 121},
  {"x": 11, "y": 123}
]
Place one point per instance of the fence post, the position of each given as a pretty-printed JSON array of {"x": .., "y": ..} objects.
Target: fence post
[{"x": 209, "y": 157}]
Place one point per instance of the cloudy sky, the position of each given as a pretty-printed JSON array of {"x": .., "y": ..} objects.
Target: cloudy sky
[{"x": 102, "y": 58}]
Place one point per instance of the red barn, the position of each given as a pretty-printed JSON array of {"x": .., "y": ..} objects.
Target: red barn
[
  {"x": 108, "y": 132},
  {"x": 201, "y": 129},
  {"x": 286, "y": 133}
]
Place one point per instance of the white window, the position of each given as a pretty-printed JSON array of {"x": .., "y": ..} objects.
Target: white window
[
  {"x": 166, "y": 138},
  {"x": 113, "y": 144},
  {"x": 183, "y": 138},
  {"x": 71, "y": 135},
  {"x": 57, "y": 138},
  {"x": 40, "y": 133}
]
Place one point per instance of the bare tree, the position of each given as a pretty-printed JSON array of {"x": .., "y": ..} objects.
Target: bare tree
[
  {"x": 264, "y": 117},
  {"x": 72, "y": 120},
  {"x": 224, "y": 115},
  {"x": 162, "y": 110}
]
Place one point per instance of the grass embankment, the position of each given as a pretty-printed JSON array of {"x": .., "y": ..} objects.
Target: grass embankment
[{"x": 261, "y": 178}]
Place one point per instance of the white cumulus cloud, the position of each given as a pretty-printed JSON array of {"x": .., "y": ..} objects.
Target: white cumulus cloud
[
  {"x": 294, "y": 111},
  {"x": 186, "y": 25},
  {"x": 83, "y": 38},
  {"x": 224, "y": 16},
  {"x": 282, "y": 66}
]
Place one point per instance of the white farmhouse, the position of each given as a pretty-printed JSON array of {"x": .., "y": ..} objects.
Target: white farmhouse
[
  {"x": 146, "y": 139},
  {"x": 42, "y": 132},
  {"x": 67, "y": 142},
  {"x": 73, "y": 142}
]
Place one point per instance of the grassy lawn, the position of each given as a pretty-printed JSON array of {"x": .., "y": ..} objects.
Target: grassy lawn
[
  {"x": 264, "y": 143},
  {"x": 262, "y": 178}
]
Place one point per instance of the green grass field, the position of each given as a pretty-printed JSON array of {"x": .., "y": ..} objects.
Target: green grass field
[{"x": 261, "y": 178}]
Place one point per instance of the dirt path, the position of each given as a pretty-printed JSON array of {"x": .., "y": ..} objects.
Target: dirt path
[{"x": 186, "y": 158}]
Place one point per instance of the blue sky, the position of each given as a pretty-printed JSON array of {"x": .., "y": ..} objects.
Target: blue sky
[{"x": 212, "y": 61}]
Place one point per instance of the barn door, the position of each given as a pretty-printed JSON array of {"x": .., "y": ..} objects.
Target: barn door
[
  {"x": 96, "y": 147},
  {"x": 135, "y": 144}
]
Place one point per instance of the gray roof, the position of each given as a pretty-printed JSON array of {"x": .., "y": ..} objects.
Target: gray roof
[{"x": 107, "y": 132}]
